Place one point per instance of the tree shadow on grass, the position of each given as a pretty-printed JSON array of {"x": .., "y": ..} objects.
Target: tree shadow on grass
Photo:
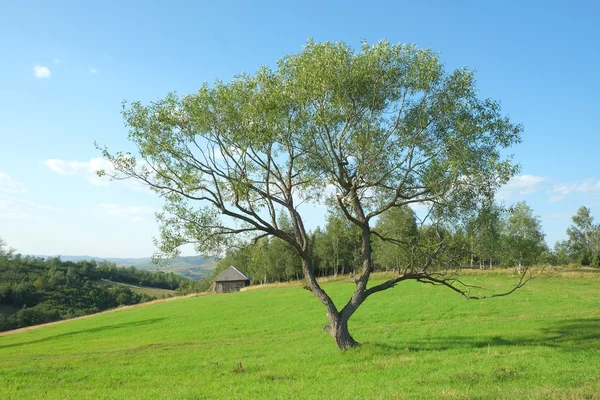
[
  {"x": 106, "y": 328},
  {"x": 572, "y": 334}
]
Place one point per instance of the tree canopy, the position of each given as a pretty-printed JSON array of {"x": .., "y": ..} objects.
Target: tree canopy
[
  {"x": 383, "y": 128},
  {"x": 524, "y": 239},
  {"x": 583, "y": 243}
]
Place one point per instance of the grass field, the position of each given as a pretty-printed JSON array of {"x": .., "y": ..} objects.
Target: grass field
[{"x": 419, "y": 342}]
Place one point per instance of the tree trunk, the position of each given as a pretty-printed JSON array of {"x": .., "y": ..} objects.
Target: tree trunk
[{"x": 339, "y": 330}]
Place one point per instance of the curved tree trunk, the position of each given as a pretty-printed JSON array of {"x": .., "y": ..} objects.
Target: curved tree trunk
[
  {"x": 339, "y": 330},
  {"x": 338, "y": 327}
]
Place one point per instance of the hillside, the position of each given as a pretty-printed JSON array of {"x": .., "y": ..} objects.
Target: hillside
[
  {"x": 192, "y": 267},
  {"x": 418, "y": 341},
  {"x": 150, "y": 291}
]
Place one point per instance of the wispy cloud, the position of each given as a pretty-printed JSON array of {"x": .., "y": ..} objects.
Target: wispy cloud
[
  {"x": 14, "y": 215},
  {"x": 522, "y": 185},
  {"x": 555, "y": 199},
  {"x": 8, "y": 185},
  {"x": 14, "y": 206},
  {"x": 56, "y": 60},
  {"x": 83, "y": 169},
  {"x": 135, "y": 213},
  {"x": 41, "y": 72},
  {"x": 88, "y": 170},
  {"x": 93, "y": 71},
  {"x": 588, "y": 185}
]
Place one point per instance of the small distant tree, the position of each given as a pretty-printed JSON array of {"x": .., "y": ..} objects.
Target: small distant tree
[
  {"x": 523, "y": 236},
  {"x": 398, "y": 234},
  {"x": 584, "y": 238},
  {"x": 339, "y": 244},
  {"x": 385, "y": 127},
  {"x": 5, "y": 251},
  {"x": 483, "y": 234}
]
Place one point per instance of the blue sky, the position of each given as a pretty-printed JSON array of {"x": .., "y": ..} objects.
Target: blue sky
[{"x": 66, "y": 67}]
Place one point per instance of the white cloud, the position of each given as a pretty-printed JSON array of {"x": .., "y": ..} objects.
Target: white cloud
[
  {"x": 41, "y": 72},
  {"x": 135, "y": 213},
  {"x": 8, "y": 185},
  {"x": 555, "y": 199},
  {"x": 586, "y": 186},
  {"x": 88, "y": 170},
  {"x": 527, "y": 184},
  {"x": 563, "y": 189},
  {"x": 14, "y": 215},
  {"x": 84, "y": 169},
  {"x": 93, "y": 71},
  {"x": 523, "y": 184},
  {"x": 14, "y": 207}
]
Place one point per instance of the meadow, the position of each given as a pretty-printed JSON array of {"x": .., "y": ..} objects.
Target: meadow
[{"x": 418, "y": 342}]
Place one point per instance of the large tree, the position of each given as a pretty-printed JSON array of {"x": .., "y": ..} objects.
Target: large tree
[{"x": 382, "y": 127}]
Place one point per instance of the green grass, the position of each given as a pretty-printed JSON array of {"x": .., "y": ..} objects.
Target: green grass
[{"x": 419, "y": 342}]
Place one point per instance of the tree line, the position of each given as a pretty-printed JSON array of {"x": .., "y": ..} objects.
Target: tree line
[
  {"x": 35, "y": 290},
  {"x": 494, "y": 237}
]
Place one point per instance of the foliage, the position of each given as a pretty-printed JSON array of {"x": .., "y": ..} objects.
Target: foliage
[
  {"x": 523, "y": 238},
  {"x": 484, "y": 231},
  {"x": 385, "y": 127},
  {"x": 583, "y": 243},
  {"x": 399, "y": 228},
  {"x": 41, "y": 290}
]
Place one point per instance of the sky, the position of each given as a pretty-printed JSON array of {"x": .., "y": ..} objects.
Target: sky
[{"x": 67, "y": 66}]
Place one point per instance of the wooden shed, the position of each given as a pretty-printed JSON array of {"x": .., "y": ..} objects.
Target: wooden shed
[{"x": 230, "y": 280}]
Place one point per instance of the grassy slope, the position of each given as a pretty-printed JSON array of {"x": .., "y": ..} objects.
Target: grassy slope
[{"x": 419, "y": 342}]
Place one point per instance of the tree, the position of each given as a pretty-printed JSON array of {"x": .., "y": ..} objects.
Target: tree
[
  {"x": 483, "y": 233},
  {"x": 523, "y": 236},
  {"x": 399, "y": 226},
  {"x": 584, "y": 238},
  {"x": 385, "y": 126},
  {"x": 338, "y": 245},
  {"x": 5, "y": 251}
]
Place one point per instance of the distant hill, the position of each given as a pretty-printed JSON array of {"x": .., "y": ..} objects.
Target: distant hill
[
  {"x": 192, "y": 267},
  {"x": 90, "y": 258}
]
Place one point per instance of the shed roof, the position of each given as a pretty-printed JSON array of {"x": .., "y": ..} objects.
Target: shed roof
[{"x": 231, "y": 274}]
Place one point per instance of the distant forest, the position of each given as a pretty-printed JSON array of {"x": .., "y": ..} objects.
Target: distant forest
[{"x": 35, "y": 290}]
